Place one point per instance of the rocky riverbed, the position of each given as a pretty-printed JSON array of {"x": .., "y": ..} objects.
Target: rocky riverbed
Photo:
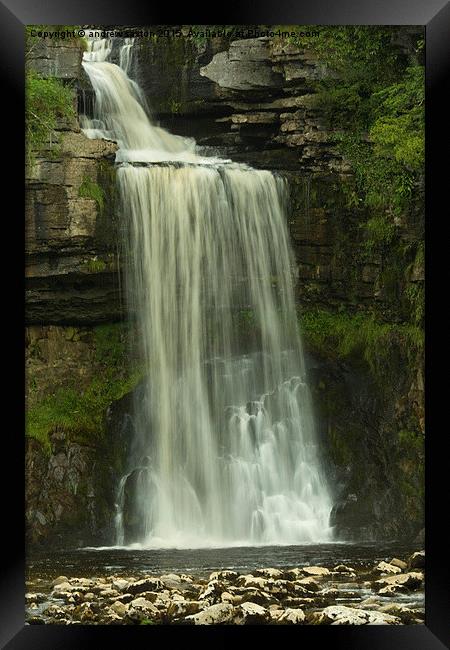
[{"x": 387, "y": 593}]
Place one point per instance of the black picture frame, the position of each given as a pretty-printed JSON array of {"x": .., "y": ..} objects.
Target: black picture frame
[{"x": 14, "y": 14}]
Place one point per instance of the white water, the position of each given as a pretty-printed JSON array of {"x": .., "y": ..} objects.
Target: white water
[{"x": 225, "y": 449}]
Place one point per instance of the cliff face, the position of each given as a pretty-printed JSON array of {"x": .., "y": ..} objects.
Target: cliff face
[{"x": 251, "y": 101}]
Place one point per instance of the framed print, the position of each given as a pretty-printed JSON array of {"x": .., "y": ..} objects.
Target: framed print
[{"x": 227, "y": 425}]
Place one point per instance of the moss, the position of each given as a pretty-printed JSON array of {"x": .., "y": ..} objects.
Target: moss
[
  {"x": 340, "y": 335},
  {"x": 47, "y": 101},
  {"x": 80, "y": 412},
  {"x": 89, "y": 189}
]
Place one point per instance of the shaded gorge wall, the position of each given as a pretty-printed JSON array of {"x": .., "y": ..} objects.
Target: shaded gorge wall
[{"x": 359, "y": 289}]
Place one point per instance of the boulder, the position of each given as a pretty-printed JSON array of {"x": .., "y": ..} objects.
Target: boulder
[
  {"x": 317, "y": 571},
  {"x": 342, "y": 615},
  {"x": 417, "y": 560},
  {"x": 342, "y": 568},
  {"x": 252, "y": 581},
  {"x": 146, "y": 584},
  {"x": 291, "y": 617},
  {"x": 251, "y": 614},
  {"x": 119, "y": 608},
  {"x": 384, "y": 567},
  {"x": 308, "y": 583},
  {"x": 274, "y": 574},
  {"x": 140, "y": 609},
  {"x": 218, "y": 614},
  {"x": 212, "y": 591},
  {"x": 180, "y": 609},
  {"x": 399, "y": 563},
  {"x": 412, "y": 580},
  {"x": 226, "y": 576},
  {"x": 120, "y": 584}
]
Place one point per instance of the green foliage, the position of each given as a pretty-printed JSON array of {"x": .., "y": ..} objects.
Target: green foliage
[
  {"x": 47, "y": 100},
  {"x": 110, "y": 344},
  {"x": 89, "y": 189},
  {"x": 80, "y": 412},
  {"x": 341, "y": 335},
  {"x": 373, "y": 97},
  {"x": 379, "y": 234},
  {"x": 96, "y": 266}
]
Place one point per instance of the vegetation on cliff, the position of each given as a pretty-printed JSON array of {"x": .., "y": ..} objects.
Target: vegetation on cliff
[
  {"x": 375, "y": 103},
  {"x": 81, "y": 412}
]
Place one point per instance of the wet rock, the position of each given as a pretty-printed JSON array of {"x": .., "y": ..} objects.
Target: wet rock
[
  {"x": 417, "y": 560},
  {"x": 405, "y": 614},
  {"x": 257, "y": 596},
  {"x": 121, "y": 609},
  {"x": 212, "y": 591},
  {"x": 120, "y": 584},
  {"x": 233, "y": 599},
  {"x": 225, "y": 576},
  {"x": 399, "y": 563},
  {"x": 291, "y": 617},
  {"x": 251, "y": 581},
  {"x": 392, "y": 590},
  {"x": 274, "y": 574},
  {"x": 127, "y": 598},
  {"x": 342, "y": 615},
  {"x": 146, "y": 584},
  {"x": 385, "y": 568},
  {"x": 140, "y": 609},
  {"x": 87, "y": 612},
  {"x": 59, "y": 580},
  {"x": 251, "y": 614},
  {"x": 171, "y": 580},
  {"x": 35, "y": 620},
  {"x": 342, "y": 568},
  {"x": 308, "y": 583},
  {"x": 180, "y": 609},
  {"x": 218, "y": 614},
  {"x": 317, "y": 571},
  {"x": 35, "y": 598},
  {"x": 412, "y": 580}
]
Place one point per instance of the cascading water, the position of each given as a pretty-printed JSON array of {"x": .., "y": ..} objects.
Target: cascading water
[{"x": 225, "y": 451}]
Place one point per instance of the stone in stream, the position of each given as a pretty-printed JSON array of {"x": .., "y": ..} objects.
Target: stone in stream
[
  {"x": 384, "y": 567},
  {"x": 412, "y": 580},
  {"x": 308, "y": 583},
  {"x": 59, "y": 580},
  {"x": 342, "y": 568},
  {"x": 342, "y": 615},
  {"x": 291, "y": 617},
  {"x": 146, "y": 584},
  {"x": 251, "y": 614},
  {"x": 140, "y": 609},
  {"x": 251, "y": 581},
  {"x": 405, "y": 614},
  {"x": 219, "y": 614},
  {"x": 119, "y": 608},
  {"x": 399, "y": 563},
  {"x": 392, "y": 590},
  {"x": 417, "y": 560},
  {"x": 179, "y": 609},
  {"x": 120, "y": 584},
  {"x": 274, "y": 574},
  {"x": 212, "y": 591},
  {"x": 317, "y": 571},
  {"x": 225, "y": 575}
]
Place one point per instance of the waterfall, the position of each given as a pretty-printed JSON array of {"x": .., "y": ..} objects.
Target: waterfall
[{"x": 225, "y": 450}]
